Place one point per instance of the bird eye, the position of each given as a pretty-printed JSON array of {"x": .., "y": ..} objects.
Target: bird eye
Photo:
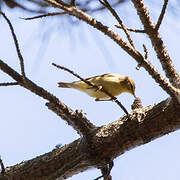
[{"x": 131, "y": 86}]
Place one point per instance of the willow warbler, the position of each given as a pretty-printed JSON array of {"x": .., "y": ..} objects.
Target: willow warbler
[{"x": 115, "y": 84}]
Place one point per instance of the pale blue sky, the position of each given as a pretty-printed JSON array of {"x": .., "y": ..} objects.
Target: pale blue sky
[{"x": 29, "y": 129}]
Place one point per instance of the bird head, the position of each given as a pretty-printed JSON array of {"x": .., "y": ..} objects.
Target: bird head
[{"x": 130, "y": 86}]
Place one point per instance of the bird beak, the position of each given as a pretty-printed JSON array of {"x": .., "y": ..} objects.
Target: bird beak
[{"x": 134, "y": 95}]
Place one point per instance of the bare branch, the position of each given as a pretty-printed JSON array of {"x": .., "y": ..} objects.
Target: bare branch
[
  {"x": 132, "y": 30},
  {"x": 42, "y": 7},
  {"x": 16, "y": 44},
  {"x": 75, "y": 119},
  {"x": 82, "y": 154},
  {"x": 145, "y": 57},
  {"x": 113, "y": 12},
  {"x": 79, "y": 155},
  {"x": 157, "y": 43},
  {"x": 45, "y": 15},
  {"x": 9, "y": 84},
  {"x": 161, "y": 15},
  {"x": 173, "y": 92},
  {"x": 57, "y": 3},
  {"x": 94, "y": 86},
  {"x": 145, "y": 51}
]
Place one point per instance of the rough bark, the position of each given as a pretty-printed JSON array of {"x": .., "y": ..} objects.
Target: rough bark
[{"x": 104, "y": 143}]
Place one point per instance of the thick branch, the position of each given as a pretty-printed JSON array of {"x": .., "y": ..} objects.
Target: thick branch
[
  {"x": 107, "y": 142},
  {"x": 50, "y": 165},
  {"x": 76, "y": 119},
  {"x": 157, "y": 43}
]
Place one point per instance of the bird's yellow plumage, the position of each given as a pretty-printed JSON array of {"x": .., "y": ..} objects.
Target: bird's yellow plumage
[{"x": 115, "y": 84}]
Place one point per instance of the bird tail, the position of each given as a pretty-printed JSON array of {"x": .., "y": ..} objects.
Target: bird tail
[{"x": 64, "y": 85}]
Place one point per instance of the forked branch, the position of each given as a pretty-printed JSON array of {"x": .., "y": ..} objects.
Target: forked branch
[
  {"x": 156, "y": 40},
  {"x": 106, "y": 4},
  {"x": 76, "y": 119},
  {"x": 174, "y": 77}
]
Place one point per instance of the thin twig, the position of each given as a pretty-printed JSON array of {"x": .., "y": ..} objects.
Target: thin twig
[
  {"x": 94, "y": 86},
  {"x": 19, "y": 5},
  {"x": 16, "y": 44},
  {"x": 113, "y": 12},
  {"x": 161, "y": 15},
  {"x": 9, "y": 84},
  {"x": 145, "y": 57},
  {"x": 132, "y": 30},
  {"x": 145, "y": 51},
  {"x": 45, "y": 15}
]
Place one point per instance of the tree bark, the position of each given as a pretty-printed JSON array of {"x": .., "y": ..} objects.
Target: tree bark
[{"x": 103, "y": 144}]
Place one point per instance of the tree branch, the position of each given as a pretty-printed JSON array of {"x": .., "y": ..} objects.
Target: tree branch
[
  {"x": 76, "y": 119},
  {"x": 16, "y": 44},
  {"x": 9, "y": 84},
  {"x": 132, "y": 30},
  {"x": 73, "y": 11},
  {"x": 45, "y": 15},
  {"x": 106, "y": 4},
  {"x": 98, "y": 145},
  {"x": 161, "y": 15},
  {"x": 109, "y": 141},
  {"x": 157, "y": 43}
]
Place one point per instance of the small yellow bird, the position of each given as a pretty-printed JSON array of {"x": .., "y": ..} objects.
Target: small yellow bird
[{"x": 115, "y": 84}]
